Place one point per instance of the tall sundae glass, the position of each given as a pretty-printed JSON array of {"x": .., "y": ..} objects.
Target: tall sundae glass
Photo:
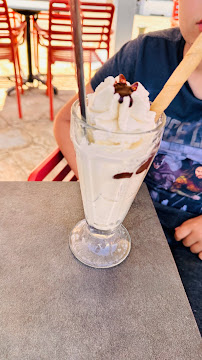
[{"x": 112, "y": 163}]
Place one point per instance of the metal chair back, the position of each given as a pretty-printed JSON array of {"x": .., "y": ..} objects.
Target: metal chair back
[
  {"x": 49, "y": 167},
  {"x": 97, "y": 26},
  {"x": 175, "y": 19}
]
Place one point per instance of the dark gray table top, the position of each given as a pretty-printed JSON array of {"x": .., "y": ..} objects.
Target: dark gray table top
[{"x": 52, "y": 307}]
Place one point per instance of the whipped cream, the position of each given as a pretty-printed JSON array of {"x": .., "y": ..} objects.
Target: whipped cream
[{"x": 109, "y": 110}]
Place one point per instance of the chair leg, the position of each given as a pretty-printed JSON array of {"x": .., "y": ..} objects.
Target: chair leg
[
  {"x": 17, "y": 89},
  {"x": 47, "y": 77},
  {"x": 36, "y": 49},
  {"x": 37, "y": 53},
  {"x": 50, "y": 89},
  {"x": 19, "y": 71}
]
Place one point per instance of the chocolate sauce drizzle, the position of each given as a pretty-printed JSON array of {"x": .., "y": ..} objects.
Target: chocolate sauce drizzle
[
  {"x": 124, "y": 175},
  {"x": 123, "y": 89},
  {"x": 144, "y": 166}
]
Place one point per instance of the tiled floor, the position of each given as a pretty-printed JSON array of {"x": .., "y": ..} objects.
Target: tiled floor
[{"x": 24, "y": 143}]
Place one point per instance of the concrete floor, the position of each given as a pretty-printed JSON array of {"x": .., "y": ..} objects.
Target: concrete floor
[{"x": 24, "y": 143}]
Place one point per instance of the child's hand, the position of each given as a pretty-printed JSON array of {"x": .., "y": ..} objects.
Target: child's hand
[{"x": 190, "y": 232}]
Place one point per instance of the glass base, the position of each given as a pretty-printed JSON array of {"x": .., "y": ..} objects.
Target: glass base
[{"x": 97, "y": 248}]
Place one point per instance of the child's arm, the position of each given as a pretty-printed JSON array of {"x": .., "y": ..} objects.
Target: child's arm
[
  {"x": 190, "y": 232},
  {"x": 62, "y": 131}
]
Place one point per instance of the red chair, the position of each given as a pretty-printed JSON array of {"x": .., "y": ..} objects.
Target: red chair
[
  {"x": 42, "y": 170},
  {"x": 57, "y": 39},
  {"x": 96, "y": 30},
  {"x": 175, "y": 19},
  {"x": 12, "y": 34}
]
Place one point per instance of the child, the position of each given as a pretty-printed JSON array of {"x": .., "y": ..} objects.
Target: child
[{"x": 176, "y": 192}]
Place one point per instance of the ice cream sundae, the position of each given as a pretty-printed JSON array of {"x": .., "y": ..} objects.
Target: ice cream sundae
[{"x": 116, "y": 149}]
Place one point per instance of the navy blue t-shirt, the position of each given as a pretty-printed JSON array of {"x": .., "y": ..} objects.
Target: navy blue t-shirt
[{"x": 175, "y": 177}]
